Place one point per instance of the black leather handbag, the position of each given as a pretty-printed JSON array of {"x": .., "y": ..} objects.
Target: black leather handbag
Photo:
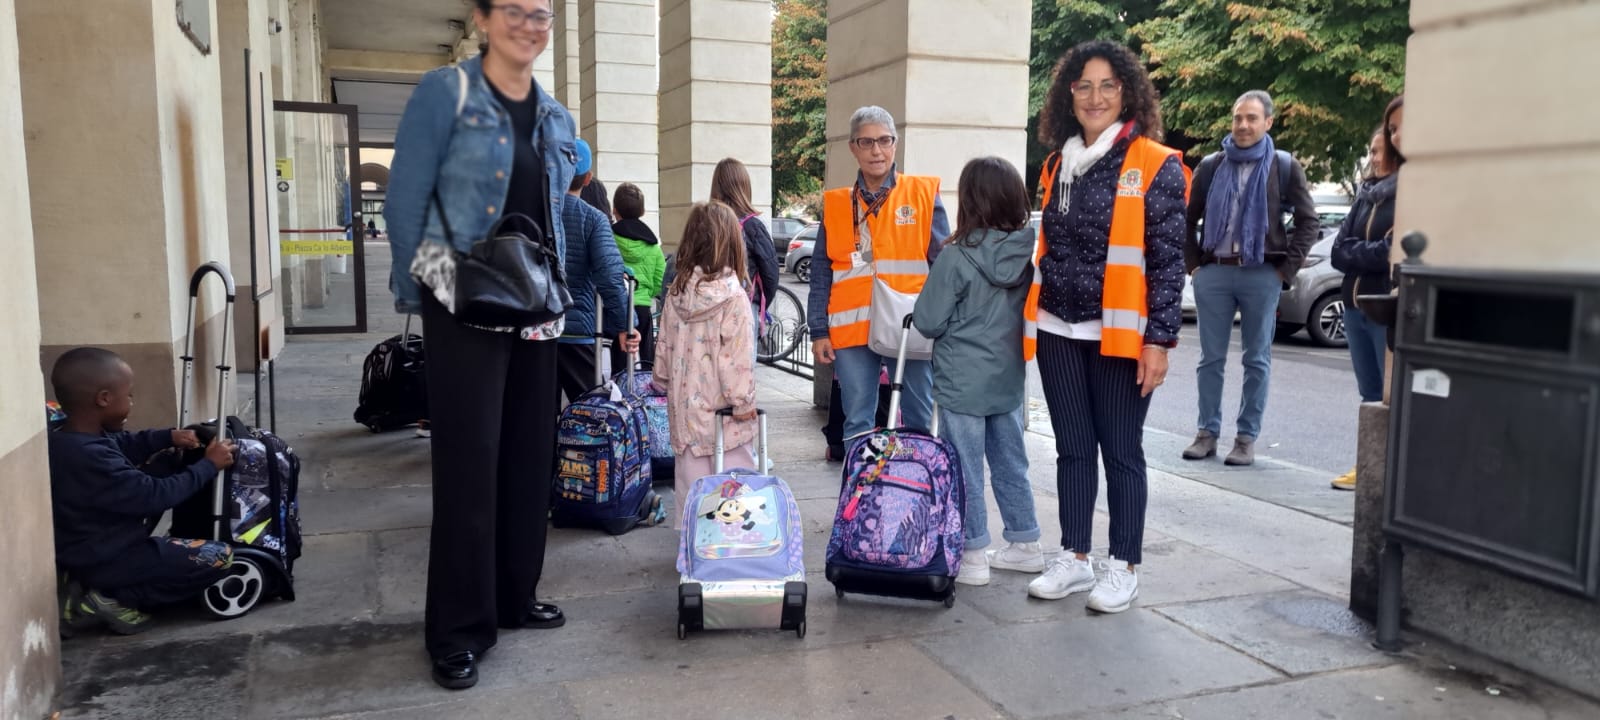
[{"x": 512, "y": 277}]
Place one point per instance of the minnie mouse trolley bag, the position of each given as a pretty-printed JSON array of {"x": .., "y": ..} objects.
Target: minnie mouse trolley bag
[{"x": 739, "y": 555}]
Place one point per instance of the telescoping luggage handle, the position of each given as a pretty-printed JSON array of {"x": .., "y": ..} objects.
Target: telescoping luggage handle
[
  {"x": 219, "y": 513},
  {"x": 897, "y": 383},
  {"x": 600, "y": 336},
  {"x": 761, "y": 442}
]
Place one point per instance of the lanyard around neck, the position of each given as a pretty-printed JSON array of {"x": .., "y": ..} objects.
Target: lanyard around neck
[{"x": 871, "y": 209}]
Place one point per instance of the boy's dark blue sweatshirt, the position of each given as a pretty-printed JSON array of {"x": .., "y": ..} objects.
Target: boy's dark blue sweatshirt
[{"x": 101, "y": 499}]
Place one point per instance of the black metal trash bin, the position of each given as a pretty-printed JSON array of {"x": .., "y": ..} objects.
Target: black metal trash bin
[{"x": 1494, "y": 445}]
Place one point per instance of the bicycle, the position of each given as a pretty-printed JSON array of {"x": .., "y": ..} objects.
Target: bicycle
[{"x": 782, "y": 327}]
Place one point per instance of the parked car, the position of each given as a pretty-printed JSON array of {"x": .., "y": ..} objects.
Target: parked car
[
  {"x": 783, "y": 232},
  {"x": 1313, "y": 301},
  {"x": 797, "y": 258}
]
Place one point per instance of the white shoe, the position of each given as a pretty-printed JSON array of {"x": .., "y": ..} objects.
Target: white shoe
[
  {"x": 1065, "y": 575},
  {"x": 424, "y": 432},
  {"x": 1021, "y": 557},
  {"x": 1117, "y": 590},
  {"x": 974, "y": 569}
]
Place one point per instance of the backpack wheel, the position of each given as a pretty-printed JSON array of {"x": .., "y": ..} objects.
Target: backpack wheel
[
  {"x": 950, "y": 600},
  {"x": 683, "y": 631},
  {"x": 238, "y": 592},
  {"x": 838, "y": 593},
  {"x": 800, "y": 631}
]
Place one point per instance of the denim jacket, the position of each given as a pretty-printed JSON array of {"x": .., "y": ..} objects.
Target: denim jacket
[{"x": 467, "y": 157}]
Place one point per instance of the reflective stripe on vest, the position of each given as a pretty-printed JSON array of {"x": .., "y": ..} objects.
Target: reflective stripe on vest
[
  {"x": 900, "y": 234},
  {"x": 1124, "y": 298}
]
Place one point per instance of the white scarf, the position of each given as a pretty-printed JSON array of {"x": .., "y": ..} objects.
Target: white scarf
[{"x": 1077, "y": 158}]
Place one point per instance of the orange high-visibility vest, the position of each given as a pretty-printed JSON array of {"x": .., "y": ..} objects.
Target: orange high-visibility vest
[
  {"x": 900, "y": 235},
  {"x": 1125, "y": 299}
]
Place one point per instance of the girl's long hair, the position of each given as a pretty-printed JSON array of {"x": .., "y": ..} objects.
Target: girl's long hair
[
  {"x": 730, "y": 184},
  {"x": 712, "y": 242},
  {"x": 993, "y": 197}
]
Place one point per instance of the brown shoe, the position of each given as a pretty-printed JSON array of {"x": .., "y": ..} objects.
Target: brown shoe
[
  {"x": 1204, "y": 446},
  {"x": 1244, "y": 452}
]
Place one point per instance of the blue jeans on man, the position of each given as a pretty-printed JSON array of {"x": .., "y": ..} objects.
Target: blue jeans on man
[
  {"x": 857, "y": 369},
  {"x": 1220, "y": 291},
  {"x": 999, "y": 438}
]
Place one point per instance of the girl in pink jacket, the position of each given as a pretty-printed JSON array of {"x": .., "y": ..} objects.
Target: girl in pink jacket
[{"x": 705, "y": 357}]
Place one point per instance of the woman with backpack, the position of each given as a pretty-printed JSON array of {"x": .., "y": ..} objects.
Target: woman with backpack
[
  {"x": 479, "y": 142},
  {"x": 730, "y": 185}
]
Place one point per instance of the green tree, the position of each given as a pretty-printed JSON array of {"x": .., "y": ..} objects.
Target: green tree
[
  {"x": 1330, "y": 65},
  {"x": 799, "y": 100}
]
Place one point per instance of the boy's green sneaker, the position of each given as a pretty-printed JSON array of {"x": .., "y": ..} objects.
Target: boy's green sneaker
[
  {"x": 122, "y": 620},
  {"x": 69, "y": 595}
]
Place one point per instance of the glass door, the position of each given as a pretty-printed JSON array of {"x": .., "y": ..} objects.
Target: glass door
[{"x": 321, "y": 229}]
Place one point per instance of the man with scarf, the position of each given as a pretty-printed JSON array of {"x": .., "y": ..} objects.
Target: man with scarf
[{"x": 1241, "y": 256}]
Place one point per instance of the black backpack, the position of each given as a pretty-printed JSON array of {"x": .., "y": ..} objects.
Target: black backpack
[{"x": 394, "y": 388}]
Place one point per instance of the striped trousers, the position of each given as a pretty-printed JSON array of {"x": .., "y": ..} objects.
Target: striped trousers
[{"x": 1095, "y": 410}]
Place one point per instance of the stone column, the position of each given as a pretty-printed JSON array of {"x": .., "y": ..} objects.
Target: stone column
[
  {"x": 618, "y": 53},
  {"x": 568, "y": 64},
  {"x": 954, "y": 73},
  {"x": 123, "y": 212},
  {"x": 716, "y": 101},
  {"x": 913, "y": 57},
  {"x": 31, "y": 659}
]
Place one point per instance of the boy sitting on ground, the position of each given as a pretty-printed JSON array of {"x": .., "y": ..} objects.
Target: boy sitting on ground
[{"x": 101, "y": 500}]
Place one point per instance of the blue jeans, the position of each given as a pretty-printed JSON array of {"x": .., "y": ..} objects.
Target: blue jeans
[
  {"x": 999, "y": 437},
  {"x": 857, "y": 370},
  {"x": 1219, "y": 290},
  {"x": 1369, "y": 342}
]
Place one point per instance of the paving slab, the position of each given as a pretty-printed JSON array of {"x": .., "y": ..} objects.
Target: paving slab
[
  {"x": 1397, "y": 692},
  {"x": 1297, "y": 632},
  {"x": 868, "y": 681},
  {"x": 345, "y": 511},
  {"x": 539, "y": 700},
  {"x": 402, "y": 572},
  {"x": 181, "y": 679},
  {"x": 1084, "y": 664},
  {"x": 1291, "y": 488}
]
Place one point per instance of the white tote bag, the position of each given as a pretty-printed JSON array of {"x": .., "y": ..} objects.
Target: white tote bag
[{"x": 889, "y": 310}]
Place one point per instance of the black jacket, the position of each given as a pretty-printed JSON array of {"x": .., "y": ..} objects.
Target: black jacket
[
  {"x": 1073, "y": 270},
  {"x": 1362, "y": 250},
  {"x": 101, "y": 498},
  {"x": 761, "y": 257},
  {"x": 1282, "y": 251}
]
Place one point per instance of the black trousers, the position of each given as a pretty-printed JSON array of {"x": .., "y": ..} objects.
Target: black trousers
[
  {"x": 645, "y": 324},
  {"x": 170, "y": 571},
  {"x": 492, "y": 402},
  {"x": 574, "y": 370},
  {"x": 1095, "y": 410}
]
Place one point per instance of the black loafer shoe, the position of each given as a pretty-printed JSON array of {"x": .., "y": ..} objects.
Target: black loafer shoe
[
  {"x": 456, "y": 671},
  {"x": 542, "y": 615}
]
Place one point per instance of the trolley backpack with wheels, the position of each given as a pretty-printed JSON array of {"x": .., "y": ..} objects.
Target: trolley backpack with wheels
[
  {"x": 643, "y": 390},
  {"x": 394, "y": 387},
  {"x": 898, "y": 528},
  {"x": 740, "y": 559},
  {"x": 253, "y": 506},
  {"x": 603, "y": 473}
]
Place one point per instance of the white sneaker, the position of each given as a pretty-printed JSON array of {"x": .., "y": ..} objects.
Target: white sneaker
[
  {"x": 1065, "y": 576},
  {"x": 1021, "y": 557},
  {"x": 974, "y": 568},
  {"x": 1117, "y": 590}
]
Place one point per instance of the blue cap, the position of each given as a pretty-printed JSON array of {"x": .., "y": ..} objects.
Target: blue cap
[{"x": 585, "y": 157}]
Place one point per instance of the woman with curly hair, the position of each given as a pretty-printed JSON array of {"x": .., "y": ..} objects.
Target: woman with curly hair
[{"x": 1104, "y": 308}]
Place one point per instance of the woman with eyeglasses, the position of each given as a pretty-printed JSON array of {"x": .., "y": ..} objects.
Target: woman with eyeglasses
[
  {"x": 477, "y": 143},
  {"x": 885, "y": 227},
  {"x": 1361, "y": 252},
  {"x": 1106, "y": 303}
]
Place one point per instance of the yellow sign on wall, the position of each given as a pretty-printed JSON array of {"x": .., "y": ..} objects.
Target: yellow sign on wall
[
  {"x": 285, "y": 168},
  {"x": 317, "y": 247}
]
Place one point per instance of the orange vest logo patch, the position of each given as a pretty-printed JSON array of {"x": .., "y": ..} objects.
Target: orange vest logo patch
[
  {"x": 1131, "y": 184},
  {"x": 906, "y": 215}
]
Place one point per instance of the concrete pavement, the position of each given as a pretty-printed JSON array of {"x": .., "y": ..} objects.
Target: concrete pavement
[{"x": 1241, "y": 614}]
